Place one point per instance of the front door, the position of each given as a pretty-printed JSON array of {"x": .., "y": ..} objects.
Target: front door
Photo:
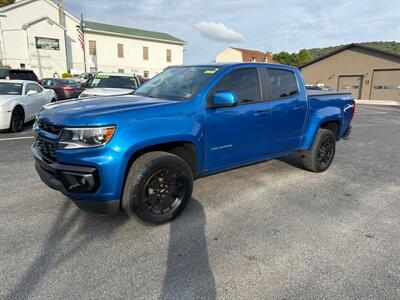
[
  {"x": 351, "y": 84},
  {"x": 239, "y": 134},
  {"x": 31, "y": 101}
]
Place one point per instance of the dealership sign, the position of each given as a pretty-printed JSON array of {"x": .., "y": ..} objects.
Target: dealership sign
[{"x": 47, "y": 43}]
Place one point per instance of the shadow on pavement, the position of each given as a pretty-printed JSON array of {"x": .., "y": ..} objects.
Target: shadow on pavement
[
  {"x": 71, "y": 232},
  {"x": 188, "y": 275}
]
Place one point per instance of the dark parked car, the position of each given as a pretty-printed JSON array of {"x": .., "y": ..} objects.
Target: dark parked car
[
  {"x": 64, "y": 88},
  {"x": 20, "y": 74}
]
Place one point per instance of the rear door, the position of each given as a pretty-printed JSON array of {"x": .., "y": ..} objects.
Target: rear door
[
  {"x": 288, "y": 108},
  {"x": 239, "y": 134},
  {"x": 351, "y": 84}
]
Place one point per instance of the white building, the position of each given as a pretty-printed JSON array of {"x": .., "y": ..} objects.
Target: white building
[{"x": 38, "y": 35}]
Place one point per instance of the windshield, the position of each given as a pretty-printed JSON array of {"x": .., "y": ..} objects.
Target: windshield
[
  {"x": 112, "y": 81},
  {"x": 178, "y": 83},
  {"x": 9, "y": 88}
]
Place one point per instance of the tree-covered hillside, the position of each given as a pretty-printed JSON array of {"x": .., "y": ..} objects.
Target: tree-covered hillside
[
  {"x": 391, "y": 47},
  {"x": 305, "y": 55}
]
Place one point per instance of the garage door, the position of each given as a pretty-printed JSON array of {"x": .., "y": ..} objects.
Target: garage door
[
  {"x": 351, "y": 84},
  {"x": 386, "y": 85}
]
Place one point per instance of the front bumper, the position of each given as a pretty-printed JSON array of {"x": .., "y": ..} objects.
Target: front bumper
[
  {"x": 5, "y": 120},
  {"x": 72, "y": 180}
]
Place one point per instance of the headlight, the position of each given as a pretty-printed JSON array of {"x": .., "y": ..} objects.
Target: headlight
[{"x": 76, "y": 138}]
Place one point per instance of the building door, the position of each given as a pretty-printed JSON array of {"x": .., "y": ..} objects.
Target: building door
[
  {"x": 386, "y": 85},
  {"x": 351, "y": 84}
]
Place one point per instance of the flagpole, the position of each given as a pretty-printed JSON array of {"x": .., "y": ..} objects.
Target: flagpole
[{"x": 84, "y": 51}]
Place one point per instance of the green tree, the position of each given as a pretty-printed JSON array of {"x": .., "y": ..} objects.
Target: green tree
[
  {"x": 285, "y": 58},
  {"x": 6, "y": 2},
  {"x": 303, "y": 57}
]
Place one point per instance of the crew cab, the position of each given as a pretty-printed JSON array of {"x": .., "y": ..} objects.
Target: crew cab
[{"x": 140, "y": 153}]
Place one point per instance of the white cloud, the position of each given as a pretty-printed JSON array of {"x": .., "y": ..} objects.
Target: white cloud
[{"x": 219, "y": 32}]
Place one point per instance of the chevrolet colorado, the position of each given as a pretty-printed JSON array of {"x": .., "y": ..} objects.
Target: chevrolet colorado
[{"x": 140, "y": 153}]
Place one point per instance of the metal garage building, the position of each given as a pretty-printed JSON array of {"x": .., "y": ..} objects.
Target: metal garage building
[{"x": 366, "y": 72}]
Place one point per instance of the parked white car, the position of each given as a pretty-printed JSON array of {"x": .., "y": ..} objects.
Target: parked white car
[
  {"x": 20, "y": 100},
  {"x": 110, "y": 84}
]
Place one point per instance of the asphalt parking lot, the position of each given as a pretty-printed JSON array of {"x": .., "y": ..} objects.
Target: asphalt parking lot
[{"x": 270, "y": 231}]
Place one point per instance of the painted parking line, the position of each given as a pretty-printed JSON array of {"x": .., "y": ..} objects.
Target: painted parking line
[
  {"x": 366, "y": 111},
  {"x": 17, "y": 138}
]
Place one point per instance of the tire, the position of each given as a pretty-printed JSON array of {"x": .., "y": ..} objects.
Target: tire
[
  {"x": 158, "y": 188},
  {"x": 17, "y": 119},
  {"x": 320, "y": 156}
]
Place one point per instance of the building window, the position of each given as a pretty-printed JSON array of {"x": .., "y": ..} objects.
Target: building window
[
  {"x": 93, "y": 69},
  {"x": 120, "y": 50},
  {"x": 92, "y": 47},
  {"x": 146, "y": 74},
  {"x": 145, "y": 53},
  {"x": 169, "y": 59},
  {"x": 120, "y": 70}
]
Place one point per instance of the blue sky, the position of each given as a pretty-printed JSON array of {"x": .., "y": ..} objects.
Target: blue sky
[{"x": 266, "y": 25}]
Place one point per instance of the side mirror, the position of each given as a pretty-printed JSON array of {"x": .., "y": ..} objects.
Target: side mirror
[
  {"x": 224, "y": 99},
  {"x": 31, "y": 93}
]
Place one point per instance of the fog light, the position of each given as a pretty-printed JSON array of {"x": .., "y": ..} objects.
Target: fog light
[{"x": 78, "y": 182}]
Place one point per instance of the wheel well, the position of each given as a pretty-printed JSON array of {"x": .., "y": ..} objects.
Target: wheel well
[
  {"x": 184, "y": 150},
  {"x": 332, "y": 126},
  {"x": 20, "y": 106}
]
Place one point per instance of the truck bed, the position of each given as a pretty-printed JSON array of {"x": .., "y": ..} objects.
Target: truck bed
[{"x": 311, "y": 93}]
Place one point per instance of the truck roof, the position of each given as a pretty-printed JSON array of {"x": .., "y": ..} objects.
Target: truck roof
[{"x": 233, "y": 64}]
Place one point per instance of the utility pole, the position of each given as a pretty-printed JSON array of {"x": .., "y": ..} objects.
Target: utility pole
[{"x": 61, "y": 17}]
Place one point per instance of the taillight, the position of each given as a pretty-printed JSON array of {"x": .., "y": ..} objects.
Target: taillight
[
  {"x": 67, "y": 89},
  {"x": 353, "y": 110}
]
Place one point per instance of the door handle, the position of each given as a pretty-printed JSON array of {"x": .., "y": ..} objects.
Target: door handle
[
  {"x": 300, "y": 107},
  {"x": 259, "y": 113}
]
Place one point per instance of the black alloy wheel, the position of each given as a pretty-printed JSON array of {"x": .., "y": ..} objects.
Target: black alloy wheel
[
  {"x": 164, "y": 191},
  {"x": 17, "y": 120},
  {"x": 325, "y": 152},
  {"x": 320, "y": 156},
  {"x": 158, "y": 187}
]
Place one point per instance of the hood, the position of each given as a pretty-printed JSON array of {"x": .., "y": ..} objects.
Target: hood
[
  {"x": 80, "y": 112},
  {"x": 105, "y": 92}
]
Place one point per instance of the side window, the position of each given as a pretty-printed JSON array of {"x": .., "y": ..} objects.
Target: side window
[
  {"x": 281, "y": 83},
  {"x": 31, "y": 76},
  {"x": 30, "y": 87},
  {"x": 244, "y": 83},
  {"x": 48, "y": 83},
  {"x": 38, "y": 88}
]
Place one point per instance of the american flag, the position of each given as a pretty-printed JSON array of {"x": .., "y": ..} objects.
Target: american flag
[{"x": 81, "y": 36}]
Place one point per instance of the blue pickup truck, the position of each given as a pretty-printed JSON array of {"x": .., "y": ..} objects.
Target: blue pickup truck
[{"x": 140, "y": 153}]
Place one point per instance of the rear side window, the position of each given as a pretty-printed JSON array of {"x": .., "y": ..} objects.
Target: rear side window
[
  {"x": 244, "y": 83},
  {"x": 48, "y": 83},
  {"x": 3, "y": 73},
  {"x": 23, "y": 75},
  {"x": 281, "y": 83}
]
